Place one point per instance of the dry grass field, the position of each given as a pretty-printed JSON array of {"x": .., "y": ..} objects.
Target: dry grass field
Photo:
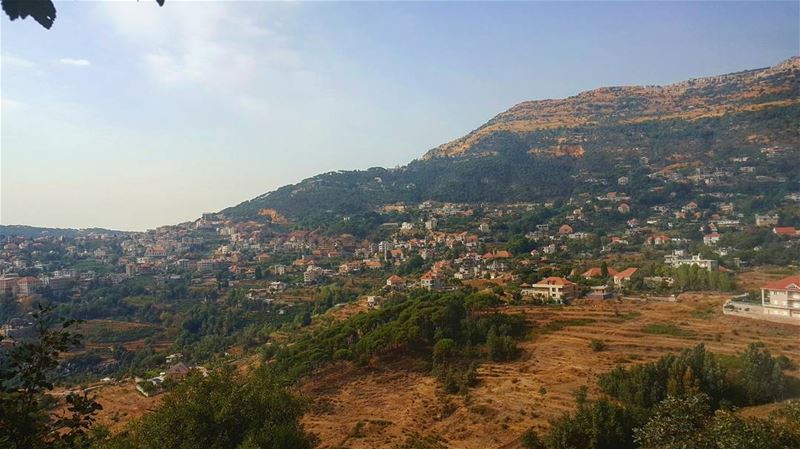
[
  {"x": 121, "y": 403},
  {"x": 380, "y": 407}
]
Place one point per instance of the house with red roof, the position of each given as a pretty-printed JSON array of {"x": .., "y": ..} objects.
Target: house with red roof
[
  {"x": 395, "y": 281},
  {"x": 786, "y": 231},
  {"x": 658, "y": 240},
  {"x": 596, "y": 272},
  {"x": 431, "y": 281},
  {"x": 624, "y": 276},
  {"x": 711, "y": 239},
  {"x": 552, "y": 288},
  {"x": 782, "y": 297}
]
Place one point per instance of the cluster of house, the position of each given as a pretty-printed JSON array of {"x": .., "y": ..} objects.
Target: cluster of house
[
  {"x": 59, "y": 281},
  {"x": 560, "y": 290},
  {"x": 214, "y": 243}
]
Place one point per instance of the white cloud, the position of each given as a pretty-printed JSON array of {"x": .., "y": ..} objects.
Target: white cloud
[
  {"x": 8, "y": 103},
  {"x": 223, "y": 48},
  {"x": 7, "y": 60},
  {"x": 75, "y": 62}
]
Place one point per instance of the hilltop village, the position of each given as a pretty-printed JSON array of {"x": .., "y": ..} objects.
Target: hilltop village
[{"x": 592, "y": 247}]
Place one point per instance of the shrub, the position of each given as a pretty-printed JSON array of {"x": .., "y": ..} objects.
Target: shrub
[
  {"x": 531, "y": 440},
  {"x": 597, "y": 345}
]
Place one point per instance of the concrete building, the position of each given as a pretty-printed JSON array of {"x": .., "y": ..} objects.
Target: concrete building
[
  {"x": 767, "y": 220},
  {"x": 552, "y": 288},
  {"x": 696, "y": 260},
  {"x": 782, "y": 297}
]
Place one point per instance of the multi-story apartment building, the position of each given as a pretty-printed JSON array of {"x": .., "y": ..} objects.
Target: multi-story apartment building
[
  {"x": 552, "y": 288},
  {"x": 782, "y": 297}
]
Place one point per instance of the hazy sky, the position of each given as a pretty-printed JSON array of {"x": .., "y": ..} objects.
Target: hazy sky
[{"x": 128, "y": 116}]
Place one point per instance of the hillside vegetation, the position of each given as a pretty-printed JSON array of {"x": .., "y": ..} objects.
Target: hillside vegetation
[{"x": 544, "y": 150}]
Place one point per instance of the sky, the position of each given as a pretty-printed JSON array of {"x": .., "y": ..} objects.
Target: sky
[{"x": 129, "y": 116}]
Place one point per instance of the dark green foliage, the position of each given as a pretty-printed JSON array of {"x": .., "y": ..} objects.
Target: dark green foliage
[
  {"x": 501, "y": 347},
  {"x": 518, "y": 244},
  {"x": 42, "y": 11},
  {"x": 447, "y": 329},
  {"x": 597, "y": 345},
  {"x": 222, "y": 411},
  {"x": 644, "y": 386},
  {"x": 594, "y": 425},
  {"x": 756, "y": 379},
  {"x": 26, "y": 372},
  {"x": 689, "y": 423},
  {"x": 673, "y": 404},
  {"x": 730, "y": 431},
  {"x": 761, "y": 378},
  {"x": 696, "y": 278},
  {"x": 531, "y": 440},
  {"x": 677, "y": 422},
  {"x": 414, "y": 264}
]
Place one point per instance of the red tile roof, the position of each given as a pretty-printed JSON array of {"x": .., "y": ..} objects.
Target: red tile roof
[
  {"x": 787, "y": 283},
  {"x": 554, "y": 280},
  {"x": 785, "y": 230},
  {"x": 394, "y": 279},
  {"x": 595, "y": 272},
  {"x": 626, "y": 273}
]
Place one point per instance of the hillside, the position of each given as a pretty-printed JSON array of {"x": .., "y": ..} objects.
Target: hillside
[
  {"x": 560, "y": 127},
  {"x": 543, "y": 150},
  {"x": 33, "y": 231}
]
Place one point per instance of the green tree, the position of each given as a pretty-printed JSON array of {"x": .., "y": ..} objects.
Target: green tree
[
  {"x": 761, "y": 378},
  {"x": 26, "y": 371},
  {"x": 42, "y": 11},
  {"x": 221, "y": 411},
  {"x": 677, "y": 423},
  {"x": 594, "y": 425},
  {"x": 730, "y": 431}
]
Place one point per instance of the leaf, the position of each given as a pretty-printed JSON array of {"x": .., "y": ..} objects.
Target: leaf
[{"x": 42, "y": 11}]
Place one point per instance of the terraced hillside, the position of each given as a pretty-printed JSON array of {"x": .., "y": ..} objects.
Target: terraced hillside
[{"x": 385, "y": 404}]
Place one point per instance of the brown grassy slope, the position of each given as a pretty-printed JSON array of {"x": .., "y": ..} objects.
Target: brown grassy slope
[{"x": 371, "y": 408}]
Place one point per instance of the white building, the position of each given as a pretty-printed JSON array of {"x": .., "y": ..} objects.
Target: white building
[
  {"x": 767, "y": 220},
  {"x": 782, "y": 297},
  {"x": 696, "y": 260}
]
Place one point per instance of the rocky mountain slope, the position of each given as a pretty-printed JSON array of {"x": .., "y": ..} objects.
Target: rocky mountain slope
[
  {"x": 545, "y": 150},
  {"x": 555, "y": 125}
]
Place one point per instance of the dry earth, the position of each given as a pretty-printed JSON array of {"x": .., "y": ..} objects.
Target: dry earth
[
  {"x": 121, "y": 403},
  {"x": 380, "y": 407}
]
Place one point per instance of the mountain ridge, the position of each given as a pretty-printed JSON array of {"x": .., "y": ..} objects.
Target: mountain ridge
[
  {"x": 535, "y": 115},
  {"x": 542, "y": 150}
]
